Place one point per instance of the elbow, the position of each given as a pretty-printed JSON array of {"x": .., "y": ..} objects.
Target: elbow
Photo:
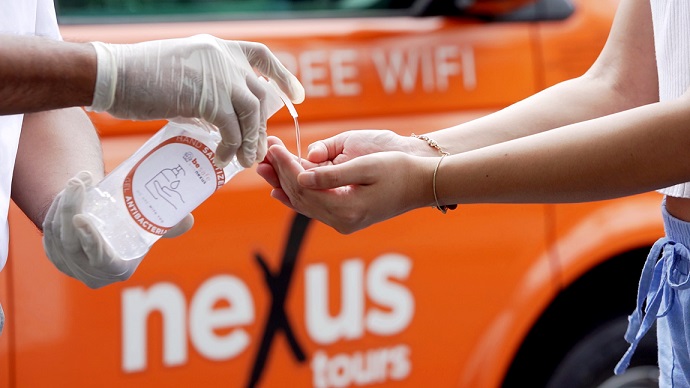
[{"x": 626, "y": 90}]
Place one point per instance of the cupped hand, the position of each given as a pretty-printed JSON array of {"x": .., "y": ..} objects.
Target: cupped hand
[
  {"x": 348, "y": 145},
  {"x": 352, "y": 195},
  {"x": 266, "y": 170}
]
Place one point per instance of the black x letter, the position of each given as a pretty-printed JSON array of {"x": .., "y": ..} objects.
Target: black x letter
[{"x": 278, "y": 284}]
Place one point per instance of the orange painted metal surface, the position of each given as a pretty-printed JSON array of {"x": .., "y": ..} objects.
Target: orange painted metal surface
[
  {"x": 5, "y": 339},
  {"x": 420, "y": 300},
  {"x": 373, "y": 67}
]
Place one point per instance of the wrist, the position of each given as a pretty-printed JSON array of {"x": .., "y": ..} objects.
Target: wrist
[
  {"x": 40, "y": 74},
  {"x": 106, "y": 77},
  {"x": 432, "y": 144},
  {"x": 420, "y": 146},
  {"x": 83, "y": 73},
  {"x": 424, "y": 194}
]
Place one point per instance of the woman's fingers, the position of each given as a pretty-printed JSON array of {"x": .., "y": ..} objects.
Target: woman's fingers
[{"x": 359, "y": 171}]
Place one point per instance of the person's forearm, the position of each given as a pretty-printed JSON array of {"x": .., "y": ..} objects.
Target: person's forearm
[
  {"x": 623, "y": 154},
  {"x": 624, "y": 76},
  {"x": 569, "y": 102},
  {"x": 39, "y": 74},
  {"x": 54, "y": 146}
]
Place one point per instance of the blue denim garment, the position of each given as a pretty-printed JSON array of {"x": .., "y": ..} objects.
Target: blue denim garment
[{"x": 664, "y": 292}]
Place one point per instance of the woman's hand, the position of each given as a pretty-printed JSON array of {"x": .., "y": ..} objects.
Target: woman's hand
[
  {"x": 348, "y": 145},
  {"x": 352, "y": 194}
]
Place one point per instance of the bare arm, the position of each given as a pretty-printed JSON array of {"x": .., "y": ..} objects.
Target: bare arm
[
  {"x": 599, "y": 136},
  {"x": 622, "y": 154},
  {"x": 626, "y": 153},
  {"x": 54, "y": 146},
  {"x": 39, "y": 74},
  {"x": 623, "y": 77}
]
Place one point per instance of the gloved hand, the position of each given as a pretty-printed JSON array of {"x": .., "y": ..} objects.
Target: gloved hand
[
  {"x": 73, "y": 244},
  {"x": 201, "y": 76}
]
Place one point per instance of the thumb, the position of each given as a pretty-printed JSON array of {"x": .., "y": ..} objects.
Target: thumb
[
  {"x": 328, "y": 150},
  {"x": 359, "y": 171},
  {"x": 96, "y": 250},
  {"x": 263, "y": 60},
  {"x": 182, "y": 227},
  {"x": 318, "y": 152},
  {"x": 101, "y": 255}
]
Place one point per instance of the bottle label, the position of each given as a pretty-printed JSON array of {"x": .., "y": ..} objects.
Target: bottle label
[{"x": 169, "y": 182}]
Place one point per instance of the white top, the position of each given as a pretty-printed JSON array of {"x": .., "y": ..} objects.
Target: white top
[
  {"x": 672, "y": 40},
  {"x": 18, "y": 17}
]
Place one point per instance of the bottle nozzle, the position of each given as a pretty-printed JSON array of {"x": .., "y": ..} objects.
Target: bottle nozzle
[
  {"x": 286, "y": 100},
  {"x": 293, "y": 113}
]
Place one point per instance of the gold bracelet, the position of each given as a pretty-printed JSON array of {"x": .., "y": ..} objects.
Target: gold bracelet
[
  {"x": 442, "y": 208},
  {"x": 432, "y": 143}
]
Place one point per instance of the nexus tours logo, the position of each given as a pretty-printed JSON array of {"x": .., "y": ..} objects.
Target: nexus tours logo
[{"x": 389, "y": 312}]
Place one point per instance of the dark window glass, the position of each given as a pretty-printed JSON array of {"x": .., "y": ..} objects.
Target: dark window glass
[{"x": 223, "y": 9}]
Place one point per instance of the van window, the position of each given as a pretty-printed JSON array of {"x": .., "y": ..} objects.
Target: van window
[{"x": 133, "y": 10}]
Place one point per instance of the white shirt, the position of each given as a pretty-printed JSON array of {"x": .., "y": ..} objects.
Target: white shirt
[
  {"x": 18, "y": 17},
  {"x": 671, "y": 20}
]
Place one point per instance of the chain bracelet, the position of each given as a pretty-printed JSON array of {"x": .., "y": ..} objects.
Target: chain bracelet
[{"x": 432, "y": 143}]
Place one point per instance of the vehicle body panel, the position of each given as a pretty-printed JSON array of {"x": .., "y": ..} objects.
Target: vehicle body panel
[
  {"x": 629, "y": 224},
  {"x": 426, "y": 299},
  {"x": 375, "y": 67}
]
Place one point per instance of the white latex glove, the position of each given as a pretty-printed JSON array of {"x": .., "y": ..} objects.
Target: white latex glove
[
  {"x": 201, "y": 76},
  {"x": 73, "y": 244}
]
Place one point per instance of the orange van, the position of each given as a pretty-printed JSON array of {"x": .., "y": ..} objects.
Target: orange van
[{"x": 258, "y": 296}]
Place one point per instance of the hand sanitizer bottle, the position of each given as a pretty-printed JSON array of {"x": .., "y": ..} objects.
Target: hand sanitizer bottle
[{"x": 162, "y": 182}]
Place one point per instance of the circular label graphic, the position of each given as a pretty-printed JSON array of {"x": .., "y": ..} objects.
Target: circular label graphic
[{"x": 169, "y": 182}]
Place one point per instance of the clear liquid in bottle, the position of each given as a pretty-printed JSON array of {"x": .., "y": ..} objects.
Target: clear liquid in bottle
[
  {"x": 168, "y": 177},
  {"x": 162, "y": 182}
]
